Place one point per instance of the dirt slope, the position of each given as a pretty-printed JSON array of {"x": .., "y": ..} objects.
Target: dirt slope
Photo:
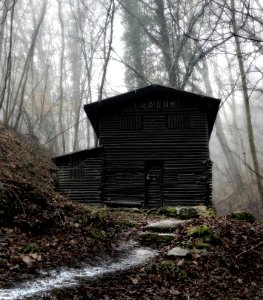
[{"x": 39, "y": 228}]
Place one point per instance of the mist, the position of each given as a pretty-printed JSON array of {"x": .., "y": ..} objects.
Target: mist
[{"x": 56, "y": 56}]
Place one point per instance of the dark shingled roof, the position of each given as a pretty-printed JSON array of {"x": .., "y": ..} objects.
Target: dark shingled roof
[{"x": 95, "y": 109}]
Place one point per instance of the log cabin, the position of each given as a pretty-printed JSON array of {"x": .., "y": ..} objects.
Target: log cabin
[{"x": 153, "y": 151}]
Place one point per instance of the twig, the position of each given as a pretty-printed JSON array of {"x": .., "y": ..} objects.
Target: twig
[{"x": 249, "y": 249}]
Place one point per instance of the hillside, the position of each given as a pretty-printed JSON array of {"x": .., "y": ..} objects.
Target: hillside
[{"x": 40, "y": 230}]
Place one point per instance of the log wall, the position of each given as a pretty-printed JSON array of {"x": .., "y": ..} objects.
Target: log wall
[
  {"x": 155, "y": 151},
  {"x": 172, "y": 134},
  {"x": 80, "y": 176}
]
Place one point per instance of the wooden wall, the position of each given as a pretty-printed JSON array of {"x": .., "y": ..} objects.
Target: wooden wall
[
  {"x": 154, "y": 151},
  {"x": 80, "y": 176},
  {"x": 151, "y": 136}
]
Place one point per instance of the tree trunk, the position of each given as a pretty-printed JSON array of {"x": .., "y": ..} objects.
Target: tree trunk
[
  {"x": 22, "y": 84},
  {"x": 236, "y": 178},
  {"x": 252, "y": 145},
  {"x": 107, "y": 45},
  {"x": 133, "y": 45},
  {"x": 61, "y": 78},
  {"x": 9, "y": 58}
]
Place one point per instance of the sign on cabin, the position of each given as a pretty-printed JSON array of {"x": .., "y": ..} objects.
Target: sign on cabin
[{"x": 154, "y": 151}]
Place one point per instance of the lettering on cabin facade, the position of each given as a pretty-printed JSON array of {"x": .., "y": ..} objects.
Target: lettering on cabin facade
[{"x": 154, "y": 151}]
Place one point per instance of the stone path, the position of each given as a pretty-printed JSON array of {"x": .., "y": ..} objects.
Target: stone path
[
  {"x": 156, "y": 232},
  {"x": 163, "y": 225},
  {"x": 160, "y": 232}
]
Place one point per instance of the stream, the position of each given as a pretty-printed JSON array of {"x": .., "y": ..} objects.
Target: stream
[{"x": 67, "y": 277}]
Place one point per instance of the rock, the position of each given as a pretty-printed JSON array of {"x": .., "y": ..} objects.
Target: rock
[
  {"x": 199, "y": 245},
  {"x": 153, "y": 238},
  {"x": 186, "y": 213},
  {"x": 165, "y": 211},
  {"x": 171, "y": 211},
  {"x": 202, "y": 231},
  {"x": 178, "y": 252},
  {"x": 164, "y": 225},
  {"x": 243, "y": 216},
  {"x": 206, "y": 212},
  {"x": 153, "y": 211}
]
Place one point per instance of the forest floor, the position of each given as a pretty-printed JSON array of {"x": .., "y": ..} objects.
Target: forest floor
[{"x": 40, "y": 230}]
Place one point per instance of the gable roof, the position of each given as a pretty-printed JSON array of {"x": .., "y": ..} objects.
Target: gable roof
[{"x": 95, "y": 109}]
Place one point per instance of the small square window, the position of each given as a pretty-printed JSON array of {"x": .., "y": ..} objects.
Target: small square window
[
  {"x": 131, "y": 122},
  {"x": 178, "y": 121},
  {"x": 77, "y": 170}
]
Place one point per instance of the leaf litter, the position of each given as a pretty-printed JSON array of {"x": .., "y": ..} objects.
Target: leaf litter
[{"x": 42, "y": 231}]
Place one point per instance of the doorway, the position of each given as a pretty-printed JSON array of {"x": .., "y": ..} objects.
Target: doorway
[{"x": 153, "y": 184}]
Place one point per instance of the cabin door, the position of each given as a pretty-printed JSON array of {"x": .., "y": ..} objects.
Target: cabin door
[{"x": 153, "y": 184}]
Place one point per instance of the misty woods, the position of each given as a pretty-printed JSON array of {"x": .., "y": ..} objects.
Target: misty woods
[{"x": 56, "y": 56}]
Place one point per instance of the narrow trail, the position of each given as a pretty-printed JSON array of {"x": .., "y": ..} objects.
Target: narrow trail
[
  {"x": 67, "y": 277},
  {"x": 132, "y": 255}
]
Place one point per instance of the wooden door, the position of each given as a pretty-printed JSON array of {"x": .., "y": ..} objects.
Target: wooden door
[{"x": 153, "y": 184}]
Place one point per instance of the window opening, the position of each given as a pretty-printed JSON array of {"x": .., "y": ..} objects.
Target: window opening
[
  {"x": 77, "y": 170},
  {"x": 131, "y": 122},
  {"x": 178, "y": 121}
]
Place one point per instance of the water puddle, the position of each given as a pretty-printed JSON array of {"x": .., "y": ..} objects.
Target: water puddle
[{"x": 72, "y": 276}]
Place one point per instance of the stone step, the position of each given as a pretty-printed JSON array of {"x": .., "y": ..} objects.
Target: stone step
[
  {"x": 178, "y": 252},
  {"x": 148, "y": 238},
  {"x": 167, "y": 225}
]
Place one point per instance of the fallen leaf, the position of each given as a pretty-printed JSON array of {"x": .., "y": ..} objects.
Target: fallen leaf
[
  {"x": 134, "y": 280},
  {"x": 174, "y": 292},
  {"x": 180, "y": 262},
  {"x": 61, "y": 236},
  {"x": 196, "y": 255},
  {"x": 27, "y": 260},
  {"x": 195, "y": 262},
  {"x": 35, "y": 256}
]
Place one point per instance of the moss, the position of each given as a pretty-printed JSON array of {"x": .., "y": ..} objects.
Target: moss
[
  {"x": 183, "y": 213},
  {"x": 85, "y": 221},
  {"x": 222, "y": 285},
  {"x": 243, "y": 216},
  {"x": 200, "y": 245},
  {"x": 152, "y": 238},
  {"x": 186, "y": 213},
  {"x": 156, "y": 211},
  {"x": 171, "y": 211},
  {"x": 128, "y": 223},
  {"x": 98, "y": 217},
  {"x": 207, "y": 213},
  {"x": 97, "y": 235},
  {"x": 30, "y": 248},
  {"x": 163, "y": 211},
  {"x": 200, "y": 231}
]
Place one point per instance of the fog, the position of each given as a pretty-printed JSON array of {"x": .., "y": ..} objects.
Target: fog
[{"x": 56, "y": 56}]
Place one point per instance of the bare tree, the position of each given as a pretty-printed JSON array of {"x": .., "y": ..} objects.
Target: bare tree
[
  {"x": 250, "y": 131},
  {"x": 9, "y": 56},
  {"x": 183, "y": 38},
  {"x": 233, "y": 168},
  {"x": 61, "y": 77},
  {"x": 107, "y": 43}
]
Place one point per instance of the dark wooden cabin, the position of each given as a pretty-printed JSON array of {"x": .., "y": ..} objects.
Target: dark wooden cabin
[{"x": 154, "y": 151}]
